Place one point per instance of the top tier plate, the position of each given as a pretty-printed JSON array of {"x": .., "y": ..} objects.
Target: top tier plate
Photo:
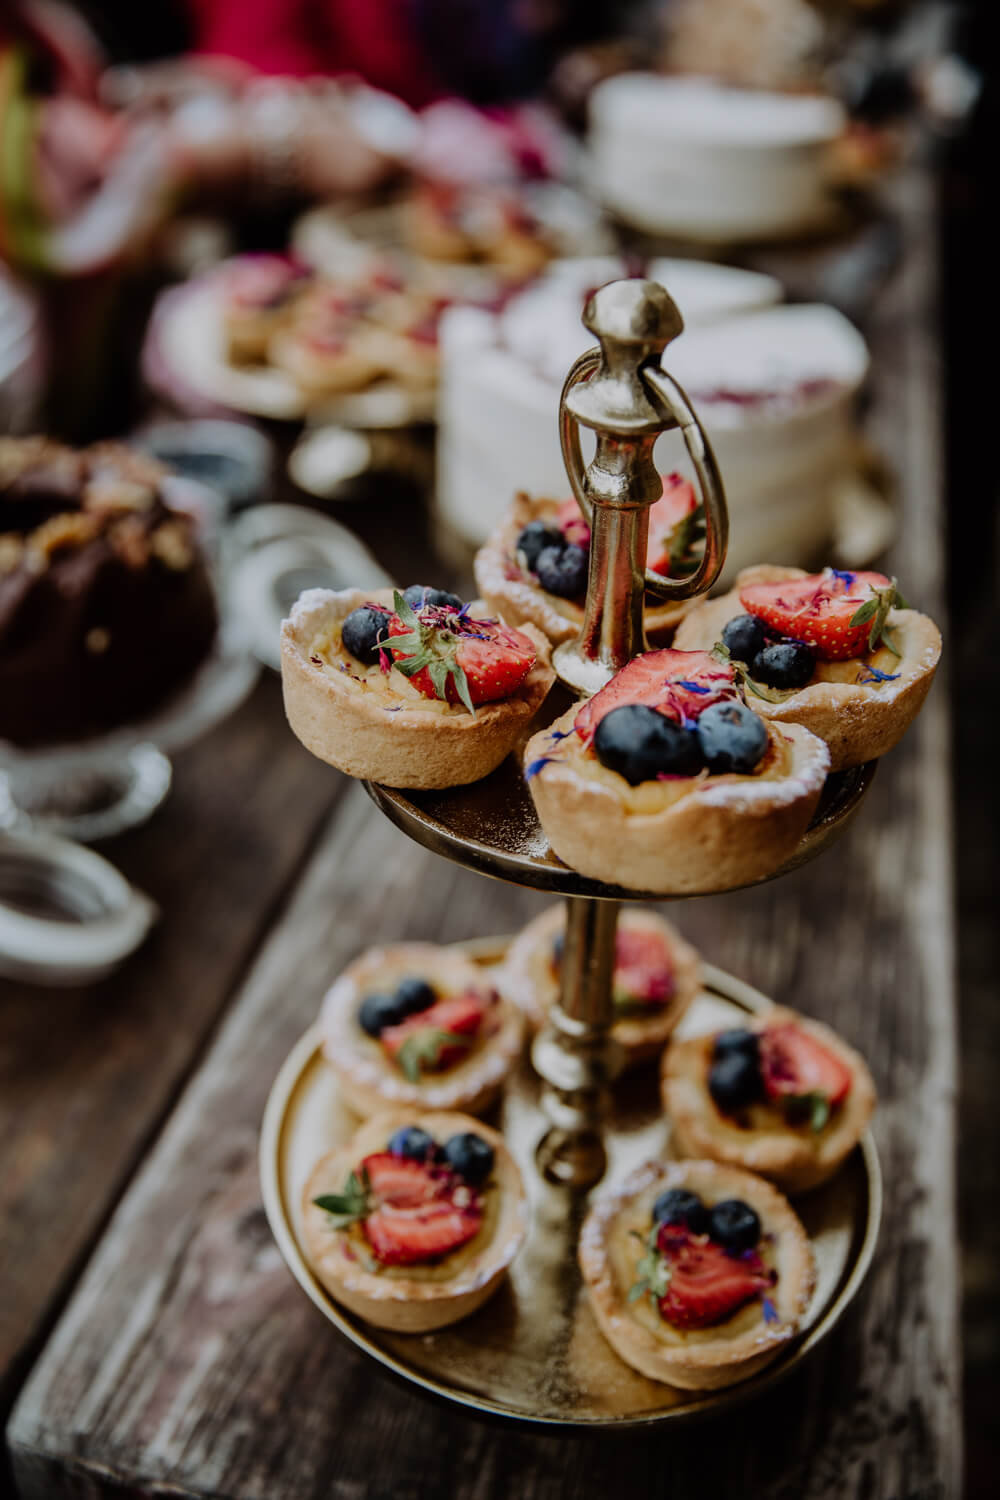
[{"x": 491, "y": 826}]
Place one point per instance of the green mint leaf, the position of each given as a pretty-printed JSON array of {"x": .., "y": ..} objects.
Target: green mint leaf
[
  {"x": 636, "y": 1290},
  {"x": 403, "y": 610},
  {"x": 813, "y": 1107},
  {"x": 898, "y": 602},
  {"x": 350, "y": 1205},
  {"x": 421, "y": 1051},
  {"x": 439, "y": 677},
  {"x": 864, "y": 612},
  {"x": 462, "y": 687}
]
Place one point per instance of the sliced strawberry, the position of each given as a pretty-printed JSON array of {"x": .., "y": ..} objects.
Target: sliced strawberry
[
  {"x": 449, "y": 656},
  {"x": 437, "y": 1037},
  {"x": 400, "y": 1182},
  {"x": 668, "y": 546},
  {"x": 794, "y": 1064},
  {"x": 644, "y": 967},
  {"x": 573, "y": 524},
  {"x": 263, "y": 281},
  {"x": 707, "y": 1285},
  {"x": 679, "y": 684},
  {"x": 406, "y": 1237},
  {"x": 819, "y": 609}
]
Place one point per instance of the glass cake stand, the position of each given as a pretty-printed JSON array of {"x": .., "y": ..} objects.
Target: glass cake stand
[{"x": 533, "y": 1352}]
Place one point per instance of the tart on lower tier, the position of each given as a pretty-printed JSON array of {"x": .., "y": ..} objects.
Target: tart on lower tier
[
  {"x": 837, "y": 652},
  {"x": 698, "y": 1274},
  {"x": 414, "y": 1223},
  {"x": 412, "y": 690},
  {"x": 417, "y": 1025},
  {"x": 656, "y": 976},
  {"x": 666, "y": 781},
  {"x": 259, "y": 297},
  {"x": 782, "y": 1096},
  {"x": 533, "y": 569}
]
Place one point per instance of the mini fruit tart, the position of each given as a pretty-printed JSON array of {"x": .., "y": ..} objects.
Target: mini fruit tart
[
  {"x": 837, "y": 652},
  {"x": 413, "y": 690},
  {"x": 415, "y": 1221},
  {"x": 328, "y": 347},
  {"x": 420, "y": 1026},
  {"x": 533, "y": 569},
  {"x": 698, "y": 1274},
  {"x": 259, "y": 296},
  {"x": 783, "y": 1096},
  {"x": 666, "y": 781},
  {"x": 657, "y": 975}
]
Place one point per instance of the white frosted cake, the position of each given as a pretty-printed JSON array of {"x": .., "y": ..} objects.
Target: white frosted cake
[
  {"x": 773, "y": 386},
  {"x": 697, "y": 158}
]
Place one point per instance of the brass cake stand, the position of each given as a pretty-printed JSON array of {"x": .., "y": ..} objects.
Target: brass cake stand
[{"x": 545, "y": 1360}]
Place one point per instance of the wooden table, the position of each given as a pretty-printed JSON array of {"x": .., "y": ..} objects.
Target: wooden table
[{"x": 183, "y": 1359}]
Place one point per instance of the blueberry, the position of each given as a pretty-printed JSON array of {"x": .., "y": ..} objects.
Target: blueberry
[
  {"x": 412, "y": 1142},
  {"x": 746, "y": 1043},
  {"x": 641, "y": 744},
  {"x": 678, "y": 1206},
  {"x": 744, "y": 636},
  {"x": 360, "y": 632},
  {"x": 414, "y": 994},
  {"x": 377, "y": 1012},
  {"x": 536, "y": 536},
  {"x": 563, "y": 571},
  {"x": 734, "y": 1081},
  {"x": 470, "y": 1156},
  {"x": 417, "y": 596},
  {"x": 789, "y": 664},
  {"x": 733, "y": 737},
  {"x": 734, "y": 1225}
]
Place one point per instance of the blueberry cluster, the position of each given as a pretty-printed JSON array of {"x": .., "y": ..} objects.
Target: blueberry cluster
[
  {"x": 559, "y": 565},
  {"x": 732, "y": 1223},
  {"x": 734, "y": 1078},
  {"x": 641, "y": 744},
  {"x": 466, "y": 1154},
  {"x": 365, "y": 629},
  {"x": 776, "y": 663},
  {"x": 410, "y": 996}
]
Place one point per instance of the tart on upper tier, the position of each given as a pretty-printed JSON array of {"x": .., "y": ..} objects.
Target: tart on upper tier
[
  {"x": 698, "y": 1274},
  {"x": 107, "y": 608},
  {"x": 666, "y": 781},
  {"x": 260, "y": 294},
  {"x": 657, "y": 975},
  {"x": 414, "y": 1223},
  {"x": 421, "y": 1026},
  {"x": 782, "y": 1096},
  {"x": 836, "y": 651},
  {"x": 533, "y": 569},
  {"x": 411, "y": 690}
]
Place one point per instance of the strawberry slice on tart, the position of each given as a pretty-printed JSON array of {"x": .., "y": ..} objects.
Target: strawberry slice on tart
[
  {"x": 698, "y": 1273},
  {"x": 414, "y": 1222},
  {"x": 667, "y": 781},
  {"x": 839, "y": 652},
  {"x": 447, "y": 654},
  {"x": 782, "y": 1095}
]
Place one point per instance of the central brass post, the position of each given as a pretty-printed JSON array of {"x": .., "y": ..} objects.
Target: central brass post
[{"x": 619, "y": 392}]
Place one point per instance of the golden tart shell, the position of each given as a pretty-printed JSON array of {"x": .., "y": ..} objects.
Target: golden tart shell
[
  {"x": 527, "y": 978},
  {"x": 369, "y": 1080},
  {"x": 401, "y": 1298},
  {"x": 859, "y": 721},
  {"x": 795, "y": 1158},
  {"x": 522, "y": 602},
  {"x": 387, "y": 731},
  {"x": 715, "y": 833},
  {"x": 702, "y": 1359}
]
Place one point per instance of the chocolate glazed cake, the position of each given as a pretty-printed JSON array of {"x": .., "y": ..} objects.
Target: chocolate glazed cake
[{"x": 106, "y": 604}]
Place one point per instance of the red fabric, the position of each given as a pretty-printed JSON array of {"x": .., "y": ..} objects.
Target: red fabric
[{"x": 375, "y": 39}]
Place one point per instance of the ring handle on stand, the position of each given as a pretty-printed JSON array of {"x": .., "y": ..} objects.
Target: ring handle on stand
[{"x": 677, "y": 412}]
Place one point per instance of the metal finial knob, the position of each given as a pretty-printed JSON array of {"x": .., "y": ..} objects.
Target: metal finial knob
[{"x": 633, "y": 321}]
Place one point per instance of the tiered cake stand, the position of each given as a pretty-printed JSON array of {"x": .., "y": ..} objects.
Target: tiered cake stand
[{"x": 534, "y": 1351}]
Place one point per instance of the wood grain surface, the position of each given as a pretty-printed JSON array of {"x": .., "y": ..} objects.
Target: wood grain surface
[{"x": 189, "y": 1363}]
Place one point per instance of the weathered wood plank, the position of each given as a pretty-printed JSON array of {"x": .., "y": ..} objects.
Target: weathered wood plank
[
  {"x": 87, "y": 1074},
  {"x": 188, "y": 1362}
]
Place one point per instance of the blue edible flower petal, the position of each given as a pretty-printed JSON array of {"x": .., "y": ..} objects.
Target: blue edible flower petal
[
  {"x": 874, "y": 675},
  {"x": 533, "y": 768},
  {"x": 845, "y": 578},
  {"x": 559, "y": 734},
  {"x": 770, "y": 1311},
  {"x": 692, "y": 687}
]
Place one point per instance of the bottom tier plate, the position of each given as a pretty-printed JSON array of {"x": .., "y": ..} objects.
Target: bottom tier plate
[{"x": 533, "y": 1352}]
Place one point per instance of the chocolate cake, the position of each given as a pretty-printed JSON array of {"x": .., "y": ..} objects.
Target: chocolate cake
[{"x": 106, "y": 604}]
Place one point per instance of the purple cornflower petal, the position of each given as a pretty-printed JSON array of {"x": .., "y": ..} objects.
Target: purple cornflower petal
[
  {"x": 692, "y": 687},
  {"x": 535, "y": 766},
  {"x": 770, "y": 1311},
  {"x": 555, "y": 735},
  {"x": 874, "y": 675},
  {"x": 846, "y": 578}
]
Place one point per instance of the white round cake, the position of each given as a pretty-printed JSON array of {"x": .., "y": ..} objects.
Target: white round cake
[
  {"x": 697, "y": 158},
  {"x": 773, "y": 386}
]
